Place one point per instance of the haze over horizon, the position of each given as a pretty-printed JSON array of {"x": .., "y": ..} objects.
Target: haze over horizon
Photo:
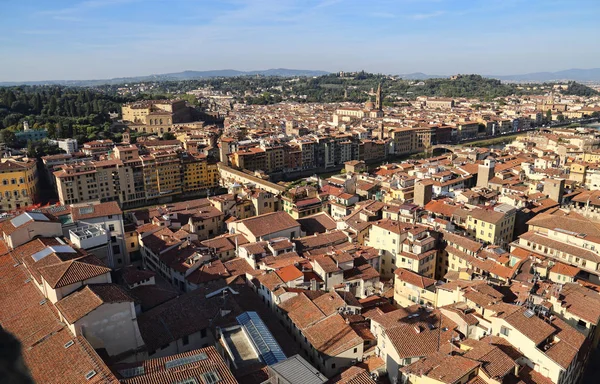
[{"x": 101, "y": 39}]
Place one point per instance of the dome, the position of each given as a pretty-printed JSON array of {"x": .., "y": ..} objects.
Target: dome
[{"x": 369, "y": 105}]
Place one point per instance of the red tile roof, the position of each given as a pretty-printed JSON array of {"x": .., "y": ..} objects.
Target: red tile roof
[
  {"x": 73, "y": 271},
  {"x": 79, "y": 304},
  {"x": 156, "y": 371},
  {"x": 289, "y": 273}
]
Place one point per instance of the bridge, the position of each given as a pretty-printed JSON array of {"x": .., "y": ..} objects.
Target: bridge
[{"x": 443, "y": 148}]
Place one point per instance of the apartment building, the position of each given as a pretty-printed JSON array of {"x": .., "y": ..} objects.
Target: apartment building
[
  {"x": 92, "y": 181},
  {"x": 311, "y": 320},
  {"x": 403, "y": 245},
  {"x": 99, "y": 229},
  {"x": 552, "y": 348},
  {"x": 411, "y": 288},
  {"x": 495, "y": 226},
  {"x": 566, "y": 237},
  {"x": 19, "y": 187},
  {"x": 133, "y": 179},
  {"x": 162, "y": 174}
]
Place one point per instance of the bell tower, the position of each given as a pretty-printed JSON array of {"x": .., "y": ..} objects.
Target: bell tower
[{"x": 378, "y": 98}]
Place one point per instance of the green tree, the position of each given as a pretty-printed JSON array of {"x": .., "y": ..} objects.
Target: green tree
[
  {"x": 560, "y": 118},
  {"x": 52, "y": 105},
  {"x": 549, "y": 115},
  {"x": 30, "y": 149},
  {"x": 8, "y": 137},
  {"x": 168, "y": 136},
  {"x": 52, "y": 130}
]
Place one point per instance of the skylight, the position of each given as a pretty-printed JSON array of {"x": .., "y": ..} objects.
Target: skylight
[{"x": 186, "y": 360}]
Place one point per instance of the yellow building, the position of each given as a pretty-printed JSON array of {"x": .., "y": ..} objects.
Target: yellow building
[
  {"x": 492, "y": 226},
  {"x": 590, "y": 157},
  {"x": 195, "y": 172},
  {"x": 411, "y": 288},
  {"x": 162, "y": 174},
  {"x": 18, "y": 188}
]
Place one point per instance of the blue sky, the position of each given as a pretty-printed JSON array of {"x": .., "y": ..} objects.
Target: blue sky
[{"x": 93, "y": 39}]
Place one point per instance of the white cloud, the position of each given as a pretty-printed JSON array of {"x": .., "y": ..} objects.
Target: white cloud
[{"x": 424, "y": 16}]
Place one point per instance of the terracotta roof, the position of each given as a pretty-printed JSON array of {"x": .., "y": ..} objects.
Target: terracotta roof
[
  {"x": 495, "y": 363},
  {"x": 132, "y": 275},
  {"x": 43, "y": 337},
  {"x": 332, "y": 336},
  {"x": 564, "y": 269},
  {"x": 95, "y": 210},
  {"x": 534, "y": 328},
  {"x": 442, "y": 367},
  {"x": 581, "y": 302},
  {"x": 352, "y": 375},
  {"x": 171, "y": 321},
  {"x": 79, "y": 304},
  {"x": 73, "y": 271},
  {"x": 289, "y": 273},
  {"x": 422, "y": 335},
  {"x": 302, "y": 311},
  {"x": 268, "y": 223},
  {"x": 238, "y": 266},
  {"x": 321, "y": 240},
  {"x": 329, "y": 302},
  {"x": 565, "y": 220},
  {"x": 414, "y": 278},
  {"x": 158, "y": 370},
  {"x": 270, "y": 280}
]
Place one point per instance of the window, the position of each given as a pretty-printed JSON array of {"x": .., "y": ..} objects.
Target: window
[
  {"x": 210, "y": 377},
  {"x": 132, "y": 245},
  {"x": 355, "y": 350},
  {"x": 116, "y": 249},
  {"x": 111, "y": 227},
  {"x": 110, "y": 216},
  {"x": 332, "y": 365},
  {"x": 505, "y": 331},
  {"x": 113, "y": 239},
  {"x": 203, "y": 333},
  {"x": 186, "y": 340}
]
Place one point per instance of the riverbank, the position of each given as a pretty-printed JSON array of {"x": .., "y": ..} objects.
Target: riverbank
[{"x": 496, "y": 140}]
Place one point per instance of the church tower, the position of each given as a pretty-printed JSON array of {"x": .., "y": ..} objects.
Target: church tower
[
  {"x": 378, "y": 105},
  {"x": 126, "y": 137}
]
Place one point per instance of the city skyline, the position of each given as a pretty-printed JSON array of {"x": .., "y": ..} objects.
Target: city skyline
[{"x": 98, "y": 39}]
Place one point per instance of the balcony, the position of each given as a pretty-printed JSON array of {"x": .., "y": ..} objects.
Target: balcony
[{"x": 89, "y": 236}]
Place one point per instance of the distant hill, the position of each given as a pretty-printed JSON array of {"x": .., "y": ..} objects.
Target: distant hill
[
  {"x": 185, "y": 75},
  {"x": 420, "y": 76},
  {"x": 581, "y": 75},
  {"x": 592, "y": 74}
]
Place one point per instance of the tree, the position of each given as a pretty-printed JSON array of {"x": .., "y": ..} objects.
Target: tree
[
  {"x": 30, "y": 148},
  {"x": 560, "y": 118},
  {"x": 52, "y": 131},
  {"x": 168, "y": 136},
  {"x": 8, "y": 137},
  {"x": 52, "y": 105},
  {"x": 549, "y": 115}
]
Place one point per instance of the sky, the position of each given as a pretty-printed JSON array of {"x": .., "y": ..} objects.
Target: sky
[{"x": 98, "y": 39}]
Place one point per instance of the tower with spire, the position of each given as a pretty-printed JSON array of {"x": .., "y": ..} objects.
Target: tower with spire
[{"x": 378, "y": 105}]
